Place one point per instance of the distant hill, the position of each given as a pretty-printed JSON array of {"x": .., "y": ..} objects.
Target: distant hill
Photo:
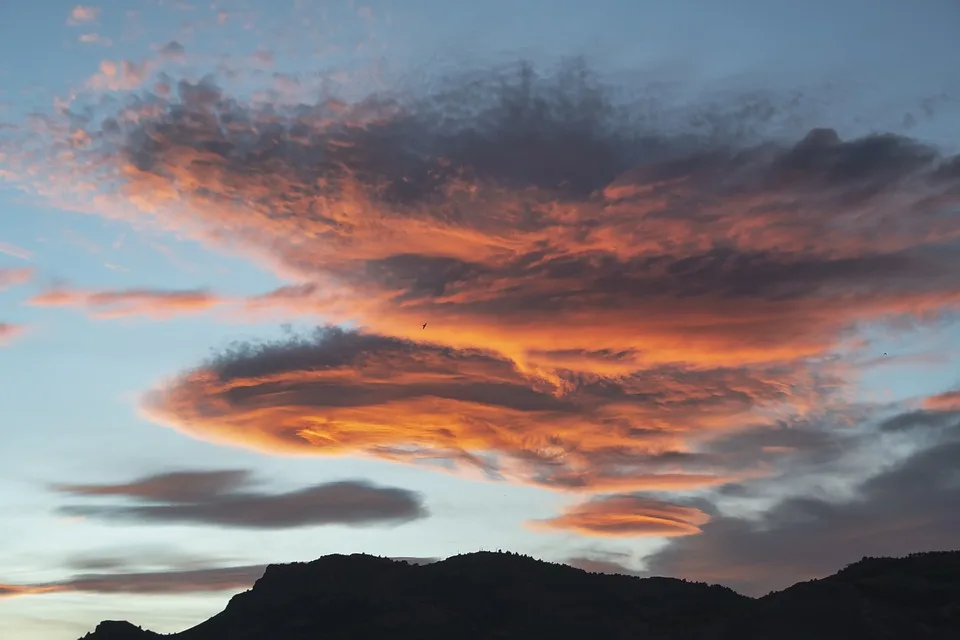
[{"x": 500, "y": 595}]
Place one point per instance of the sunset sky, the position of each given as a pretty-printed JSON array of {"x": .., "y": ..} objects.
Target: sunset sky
[{"x": 690, "y": 273}]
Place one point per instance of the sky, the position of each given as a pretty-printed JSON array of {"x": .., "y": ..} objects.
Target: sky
[{"x": 659, "y": 288}]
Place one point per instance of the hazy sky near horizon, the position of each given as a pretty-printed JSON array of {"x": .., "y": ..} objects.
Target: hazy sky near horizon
[{"x": 690, "y": 274}]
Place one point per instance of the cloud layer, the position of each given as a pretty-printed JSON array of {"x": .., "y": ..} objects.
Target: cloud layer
[
  {"x": 617, "y": 297},
  {"x": 222, "y": 498}
]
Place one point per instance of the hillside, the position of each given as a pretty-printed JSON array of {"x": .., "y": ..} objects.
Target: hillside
[{"x": 499, "y": 595}]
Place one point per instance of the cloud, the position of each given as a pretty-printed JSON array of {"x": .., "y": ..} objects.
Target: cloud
[
  {"x": 146, "y": 583},
  {"x": 116, "y": 574},
  {"x": 158, "y": 304},
  {"x": 13, "y": 277},
  {"x": 13, "y": 590},
  {"x": 120, "y": 75},
  {"x": 627, "y": 516},
  {"x": 81, "y": 14},
  {"x": 15, "y": 251},
  {"x": 911, "y": 505},
  {"x": 609, "y": 285},
  {"x": 173, "y": 50},
  {"x": 494, "y": 216},
  {"x": 948, "y": 401},
  {"x": 10, "y": 332},
  {"x": 534, "y": 214},
  {"x": 220, "y": 498},
  {"x": 341, "y": 392},
  {"x": 94, "y": 38},
  {"x": 263, "y": 57},
  {"x": 137, "y": 559},
  {"x": 179, "y": 486}
]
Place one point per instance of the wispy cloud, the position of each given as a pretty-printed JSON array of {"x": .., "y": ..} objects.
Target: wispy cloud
[
  {"x": 94, "y": 38},
  {"x": 146, "y": 583},
  {"x": 129, "y": 302},
  {"x": 15, "y": 251},
  {"x": 284, "y": 302},
  {"x": 222, "y": 498}
]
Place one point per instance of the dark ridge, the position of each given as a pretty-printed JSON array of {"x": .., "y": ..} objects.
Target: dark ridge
[{"x": 503, "y": 595}]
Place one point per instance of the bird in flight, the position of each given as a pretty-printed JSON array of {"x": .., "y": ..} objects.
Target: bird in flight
[{"x": 423, "y": 326}]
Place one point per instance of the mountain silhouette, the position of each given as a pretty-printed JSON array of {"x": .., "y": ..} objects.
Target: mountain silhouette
[{"x": 502, "y": 595}]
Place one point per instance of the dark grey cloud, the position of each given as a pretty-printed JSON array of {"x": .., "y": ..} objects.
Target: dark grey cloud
[
  {"x": 922, "y": 419},
  {"x": 139, "y": 558},
  {"x": 177, "y": 486},
  {"x": 912, "y": 506},
  {"x": 219, "y": 498},
  {"x": 173, "y": 50}
]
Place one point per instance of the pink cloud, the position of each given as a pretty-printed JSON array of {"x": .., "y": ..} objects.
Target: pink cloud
[
  {"x": 13, "y": 277},
  {"x": 83, "y": 14},
  {"x": 9, "y": 332}
]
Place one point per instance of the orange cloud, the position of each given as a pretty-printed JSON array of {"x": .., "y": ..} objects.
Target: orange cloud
[
  {"x": 13, "y": 590},
  {"x": 713, "y": 255},
  {"x": 347, "y": 393},
  {"x": 948, "y": 401},
  {"x": 283, "y": 302},
  {"x": 620, "y": 516},
  {"x": 129, "y": 302}
]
